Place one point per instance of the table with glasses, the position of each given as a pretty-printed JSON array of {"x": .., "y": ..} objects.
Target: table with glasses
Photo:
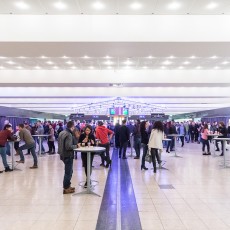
[
  {"x": 214, "y": 136},
  {"x": 175, "y": 137},
  {"x": 88, "y": 150},
  {"x": 40, "y": 137},
  {"x": 225, "y": 165}
]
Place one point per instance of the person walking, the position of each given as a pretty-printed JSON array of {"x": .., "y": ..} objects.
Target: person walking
[
  {"x": 123, "y": 138},
  {"x": 204, "y": 140},
  {"x": 155, "y": 143},
  {"x": 26, "y": 136},
  {"x": 144, "y": 141},
  {"x": 66, "y": 152}
]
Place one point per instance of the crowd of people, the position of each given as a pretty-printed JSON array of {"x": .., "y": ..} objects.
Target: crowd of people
[{"x": 74, "y": 134}]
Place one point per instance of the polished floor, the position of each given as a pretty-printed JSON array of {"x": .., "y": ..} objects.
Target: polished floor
[{"x": 194, "y": 193}]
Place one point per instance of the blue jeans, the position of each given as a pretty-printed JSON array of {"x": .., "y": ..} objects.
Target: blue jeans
[
  {"x": 68, "y": 161},
  {"x": 137, "y": 146},
  {"x": 8, "y": 149},
  {"x": 3, "y": 154},
  {"x": 145, "y": 150},
  {"x": 32, "y": 150}
]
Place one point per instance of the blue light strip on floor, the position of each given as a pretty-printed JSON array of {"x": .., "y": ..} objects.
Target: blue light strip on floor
[{"x": 107, "y": 219}]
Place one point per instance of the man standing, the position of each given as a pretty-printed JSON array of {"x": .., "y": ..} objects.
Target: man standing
[
  {"x": 25, "y": 136},
  {"x": 6, "y": 134},
  {"x": 137, "y": 139},
  {"x": 123, "y": 137},
  {"x": 66, "y": 150},
  {"x": 102, "y": 134},
  {"x": 40, "y": 131}
]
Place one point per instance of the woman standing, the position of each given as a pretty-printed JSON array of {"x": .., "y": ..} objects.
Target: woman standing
[
  {"x": 51, "y": 139},
  {"x": 155, "y": 142},
  {"x": 87, "y": 138},
  {"x": 204, "y": 139},
  {"x": 144, "y": 141}
]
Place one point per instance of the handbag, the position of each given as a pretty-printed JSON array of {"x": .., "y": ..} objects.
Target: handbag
[{"x": 148, "y": 157}]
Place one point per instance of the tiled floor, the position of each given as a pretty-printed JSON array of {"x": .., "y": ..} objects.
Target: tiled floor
[{"x": 33, "y": 199}]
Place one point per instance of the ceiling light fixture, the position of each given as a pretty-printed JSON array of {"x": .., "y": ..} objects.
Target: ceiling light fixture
[
  {"x": 10, "y": 62},
  {"x": 167, "y": 62},
  {"x": 163, "y": 67},
  {"x": 2, "y": 57},
  {"x": 145, "y": 67},
  {"x": 216, "y": 67},
  {"x": 69, "y": 62},
  {"x": 198, "y": 67},
  {"x": 108, "y": 62},
  {"x": 37, "y": 67},
  {"x": 150, "y": 57},
  {"x": 73, "y": 67},
  {"x": 64, "y": 57},
  {"x": 181, "y": 67},
  {"x": 193, "y": 57},
  {"x": 85, "y": 57},
  {"x": 49, "y": 62},
  {"x": 107, "y": 57},
  {"x": 56, "y": 67},
  {"x": 19, "y": 67},
  {"x": 22, "y": 57},
  {"x": 174, "y": 6},
  {"x": 171, "y": 57},
  {"x": 186, "y": 63},
  {"x": 136, "y": 6},
  {"x": 60, "y": 5},
  {"x": 22, "y": 5},
  {"x": 225, "y": 63},
  {"x": 1, "y": 67},
  {"x": 128, "y": 62},
  {"x": 214, "y": 57},
  {"x": 91, "y": 67},
  {"x": 212, "y": 5},
  {"x": 98, "y": 5},
  {"x": 43, "y": 57}
]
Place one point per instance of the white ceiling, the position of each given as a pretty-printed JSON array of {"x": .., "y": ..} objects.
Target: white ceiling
[
  {"x": 65, "y": 64},
  {"x": 111, "y": 7}
]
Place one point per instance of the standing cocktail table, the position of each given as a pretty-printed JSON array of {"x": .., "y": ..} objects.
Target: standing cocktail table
[
  {"x": 175, "y": 136},
  {"x": 40, "y": 142}
]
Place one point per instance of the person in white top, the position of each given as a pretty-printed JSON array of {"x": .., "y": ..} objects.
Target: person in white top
[{"x": 155, "y": 142}]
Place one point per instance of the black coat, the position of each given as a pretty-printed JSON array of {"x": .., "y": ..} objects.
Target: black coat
[
  {"x": 90, "y": 137},
  {"x": 144, "y": 137},
  {"x": 123, "y": 134}
]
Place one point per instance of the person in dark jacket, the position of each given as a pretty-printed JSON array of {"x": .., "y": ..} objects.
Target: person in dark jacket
[
  {"x": 171, "y": 130},
  {"x": 123, "y": 138},
  {"x": 116, "y": 134},
  {"x": 6, "y": 134},
  {"x": 87, "y": 138},
  {"x": 66, "y": 151},
  {"x": 137, "y": 139},
  {"x": 224, "y": 134},
  {"x": 192, "y": 131},
  {"x": 144, "y": 141}
]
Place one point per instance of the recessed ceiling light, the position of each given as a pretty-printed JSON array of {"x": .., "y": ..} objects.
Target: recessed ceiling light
[
  {"x": 163, "y": 67},
  {"x": 10, "y": 62},
  {"x": 186, "y": 63},
  {"x": 225, "y": 63},
  {"x": 69, "y": 62},
  {"x": 214, "y": 57},
  {"x": 109, "y": 67},
  {"x": 167, "y": 62},
  {"x": 136, "y": 6},
  {"x": 22, "y": 57},
  {"x": 198, "y": 67},
  {"x": 174, "y": 6},
  {"x": 85, "y": 57},
  {"x": 73, "y": 67},
  {"x": 128, "y": 62},
  {"x": 2, "y": 67},
  {"x": 171, "y": 57},
  {"x": 2, "y": 57},
  {"x": 49, "y": 62},
  {"x": 107, "y": 57},
  {"x": 98, "y": 5},
  {"x": 193, "y": 57},
  {"x": 37, "y": 67},
  {"x": 60, "y": 5},
  {"x": 181, "y": 67},
  {"x": 145, "y": 67},
  {"x": 22, "y": 5},
  {"x": 108, "y": 62},
  {"x": 150, "y": 57},
  {"x": 216, "y": 67},
  {"x": 64, "y": 57},
  {"x": 43, "y": 57},
  {"x": 56, "y": 67},
  {"x": 212, "y": 5},
  {"x": 19, "y": 67},
  {"x": 91, "y": 67}
]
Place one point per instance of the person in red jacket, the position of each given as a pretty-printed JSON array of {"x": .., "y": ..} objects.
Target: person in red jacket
[
  {"x": 104, "y": 135},
  {"x": 6, "y": 134}
]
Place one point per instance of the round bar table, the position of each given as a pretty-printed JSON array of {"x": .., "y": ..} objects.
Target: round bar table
[
  {"x": 13, "y": 165},
  {"x": 40, "y": 142},
  {"x": 224, "y": 149},
  {"x": 175, "y": 136},
  {"x": 215, "y": 135},
  {"x": 88, "y": 151}
]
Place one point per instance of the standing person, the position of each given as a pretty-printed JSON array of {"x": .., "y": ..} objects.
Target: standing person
[
  {"x": 171, "y": 129},
  {"x": 137, "y": 139},
  {"x": 116, "y": 132},
  {"x": 104, "y": 135},
  {"x": 66, "y": 152},
  {"x": 25, "y": 136},
  {"x": 6, "y": 134},
  {"x": 87, "y": 138},
  {"x": 123, "y": 138},
  {"x": 182, "y": 132},
  {"x": 155, "y": 142},
  {"x": 192, "y": 131},
  {"x": 204, "y": 139},
  {"x": 26, "y": 125},
  {"x": 40, "y": 131},
  {"x": 224, "y": 132},
  {"x": 51, "y": 139},
  {"x": 6, "y": 122},
  {"x": 144, "y": 141}
]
